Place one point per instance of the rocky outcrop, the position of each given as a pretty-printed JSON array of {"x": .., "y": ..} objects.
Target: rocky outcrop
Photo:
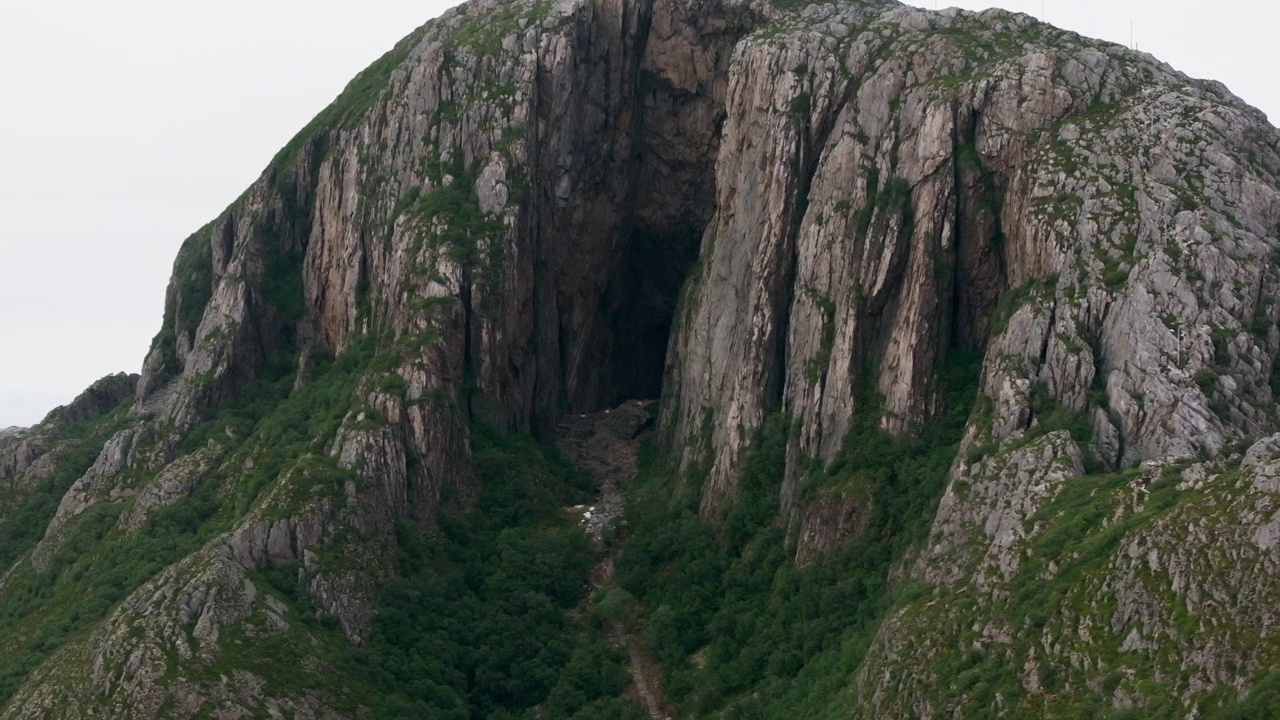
[
  {"x": 95, "y": 485},
  {"x": 99, "y": 399},
  {"x": 22, "y": 448},
  {"x": 208, "y": 604},
  {"x": 19, "y": 450},
  {"x": 175, "y": 483},
  {"x": 908, "y": 171},
  {"x": 997, "y": 513},
  {"x": 1090, "y": 594},
  {"x": 528, "y": 209},
  {"x": 29, "y": 456}
]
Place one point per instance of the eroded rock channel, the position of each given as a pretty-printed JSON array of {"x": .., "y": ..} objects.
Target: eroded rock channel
[{"x": 606, "y": 444}]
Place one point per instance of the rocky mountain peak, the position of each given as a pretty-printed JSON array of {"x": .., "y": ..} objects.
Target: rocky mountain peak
[{"x": 946, "y": 311}]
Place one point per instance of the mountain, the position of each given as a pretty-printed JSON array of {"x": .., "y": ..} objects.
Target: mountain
[{"x": 962, "y": 332}]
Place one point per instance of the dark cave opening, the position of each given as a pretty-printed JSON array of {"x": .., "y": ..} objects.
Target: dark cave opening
[
  {"x": 672, "y": 203},
  {"x": 641, "y": 198},
  {"x": 980, "y": 276},
  {"x": 643, "y": 306}
]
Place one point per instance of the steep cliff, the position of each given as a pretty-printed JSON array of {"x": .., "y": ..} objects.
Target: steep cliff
[{"x": 964, "y": 329}]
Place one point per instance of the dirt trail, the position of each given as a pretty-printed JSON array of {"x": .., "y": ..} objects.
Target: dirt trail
[
  {"x": 605, "y": 445},
  {"x": 638, "y": 671}
]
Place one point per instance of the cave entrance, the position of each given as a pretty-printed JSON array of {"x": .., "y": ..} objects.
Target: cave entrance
[
  {"x": 640, "y": 206},
  {"x": 643, "y": 305}
]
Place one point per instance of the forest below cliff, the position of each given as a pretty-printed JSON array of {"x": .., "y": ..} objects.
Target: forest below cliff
[{"x": 955, "y": 340}]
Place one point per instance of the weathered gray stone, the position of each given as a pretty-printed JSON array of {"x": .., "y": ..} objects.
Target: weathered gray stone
[{"x": 868, "y": 188}]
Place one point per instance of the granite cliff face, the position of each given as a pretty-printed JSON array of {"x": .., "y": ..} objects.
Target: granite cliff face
[{"x": 528, "y": 209}]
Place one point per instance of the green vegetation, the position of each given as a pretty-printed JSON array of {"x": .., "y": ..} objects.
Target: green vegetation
[
  {"x": 862, "y": 221},
  {"x": 1081, "y": 531},
  {"x": 969, "y": 157},
  {"x": 1206, "y": 378},
  {"x": 817, "y": 365},
  {"x": 893, "y": 201},
  {"x": 1261, "y": 323},
  {"x": 976, "y": 677},
  {"x": 264, "y": 434},
  {"x": 483, "y": 33},
  {"x": 282, "y": 284},
  {"x": 489, "y": 615},
  {"x": 1034, "y": 290},
  {"x": 194, "y": 272},
  {"x": 193, "y": 275},
  {"x": 26, "y": 514},
  {"x": 1064, "y": 583},
  {"x": 477, "y": 623},
  {"x": 466, "y": 228},
  {"x": 772, "y": 639},
  {"x": 591, "y": 683},
  {"x": 1263, "y": 702},
  {"x": 453, "y": 222},
  {"x": 94, "y": 567},
  {"x": 1051, "y": 415},
  {"x": 800, "y": 106},
  {"x": 481, "y": 620},
  {"x": 270, "y": 431}
]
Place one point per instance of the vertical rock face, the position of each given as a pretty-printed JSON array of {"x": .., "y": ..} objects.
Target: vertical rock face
[
  {"x": 886, "y": 178},
  {"x": 493, "y": 222},
  {"x": 530, "y": 208},
  {"x": 581, "y": 150}
]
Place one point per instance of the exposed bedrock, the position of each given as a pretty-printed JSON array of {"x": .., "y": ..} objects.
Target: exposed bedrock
[
  {"x": 876, "y": 202},
  {"x": 532, "y": 208}
]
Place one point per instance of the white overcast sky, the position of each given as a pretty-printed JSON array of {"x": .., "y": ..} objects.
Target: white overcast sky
[{"x": 127, "y": 125}]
